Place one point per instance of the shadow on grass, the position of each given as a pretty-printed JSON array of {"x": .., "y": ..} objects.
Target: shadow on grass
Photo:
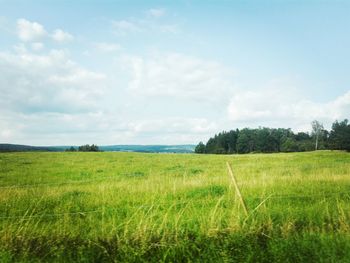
[{"x": 191, "y": 247}]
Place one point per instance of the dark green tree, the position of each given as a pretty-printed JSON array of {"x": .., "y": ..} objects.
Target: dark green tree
[
  {"x": 244, "y": 141},
  {"x": 289, "y": 145},
  {"x": 71, "y": 149},
  {"x": 88, "y": 148},
  {"x": 200, "y": 148},
  {"x": 94, "y": 148},
  {"x": 232, "y": 141},
  {"x": 266, "y": 140},
  {"x": 302, "y": 136},
  {"x": 339, "y": 137}
]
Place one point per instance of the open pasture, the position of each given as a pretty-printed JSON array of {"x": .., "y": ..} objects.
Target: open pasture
[{"x": 132, "y": 207}]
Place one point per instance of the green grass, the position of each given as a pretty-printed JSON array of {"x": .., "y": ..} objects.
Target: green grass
[{"x": 131, "y": 207}]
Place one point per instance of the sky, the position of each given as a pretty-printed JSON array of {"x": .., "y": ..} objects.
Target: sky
[{"x": 169, "y": 72}]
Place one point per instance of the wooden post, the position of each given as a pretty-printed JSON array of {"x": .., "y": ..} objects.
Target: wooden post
[{"x": 237, "y": 189}]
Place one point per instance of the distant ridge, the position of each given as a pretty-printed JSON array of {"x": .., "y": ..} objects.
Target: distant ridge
[
  {"x": 27, "y": 148},
  {"x": 185, "y": 148}
]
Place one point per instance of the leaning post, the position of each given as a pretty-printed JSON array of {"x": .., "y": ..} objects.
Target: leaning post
[{"x": 237, "y": 188}]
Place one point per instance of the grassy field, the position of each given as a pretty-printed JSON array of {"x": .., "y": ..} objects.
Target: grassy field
[{"x": 131, "y": 207}]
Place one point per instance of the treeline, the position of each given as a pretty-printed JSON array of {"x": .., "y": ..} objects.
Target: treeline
[
  {"x": 269, "y": 140},
  {"x": 84, "y": 148}
]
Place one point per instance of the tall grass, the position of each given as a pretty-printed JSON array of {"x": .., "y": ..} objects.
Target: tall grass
[{"x": 112, "y": 207}]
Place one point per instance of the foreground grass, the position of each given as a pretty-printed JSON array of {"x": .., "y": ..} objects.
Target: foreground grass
[{"x": 111, "y": 207}]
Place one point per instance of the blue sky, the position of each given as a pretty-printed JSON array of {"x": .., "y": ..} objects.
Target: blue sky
[{"x": 169, "y": 72}]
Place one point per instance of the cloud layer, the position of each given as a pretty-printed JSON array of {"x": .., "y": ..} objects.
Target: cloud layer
[
  {"x": 46, "y": 83},
  {"x": 60, "y": 36},
  {"x": 277, "y": 107},
  {"x": 29, "y": 31},
  {"x": 179, "y": 76},
  {"x": 52, "y": 92}
]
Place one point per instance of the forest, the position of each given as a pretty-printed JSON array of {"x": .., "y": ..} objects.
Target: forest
[{"x": 270, "y": 140}]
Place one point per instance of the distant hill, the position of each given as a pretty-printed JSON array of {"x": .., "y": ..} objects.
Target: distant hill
[
  {"x": 149, "y": 148},
  {"x": 27, "y": 148},
  {"x": 109, "y": 148}
]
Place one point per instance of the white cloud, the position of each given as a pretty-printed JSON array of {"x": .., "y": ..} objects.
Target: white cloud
[
  {"x": 123, "y": 27},
  {"x": 29, "y": 31},
  {"x": 37, "y": 46},
  {"x": 150, "y": 26},
  {"x": 53, "y": 128},
  {"x": 20, "y": 48},
  {"x": 173, "y": 125},
  {"x": 169, "y": 130},
  {"x": 48, "y": 82},
  {"x": 107, "y": 47},
  {"x": 101, "y": 127},
  {"x": 278, "y": 107},
  {"x": 178, "y": 76},
  {"x": 156, "y": 12},
  {"x": 61, "y": 36},
  {"x": 49, "y": 99}
]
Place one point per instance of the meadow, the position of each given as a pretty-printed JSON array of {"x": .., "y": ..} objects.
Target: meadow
[{"x": 134, "y": 207}]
